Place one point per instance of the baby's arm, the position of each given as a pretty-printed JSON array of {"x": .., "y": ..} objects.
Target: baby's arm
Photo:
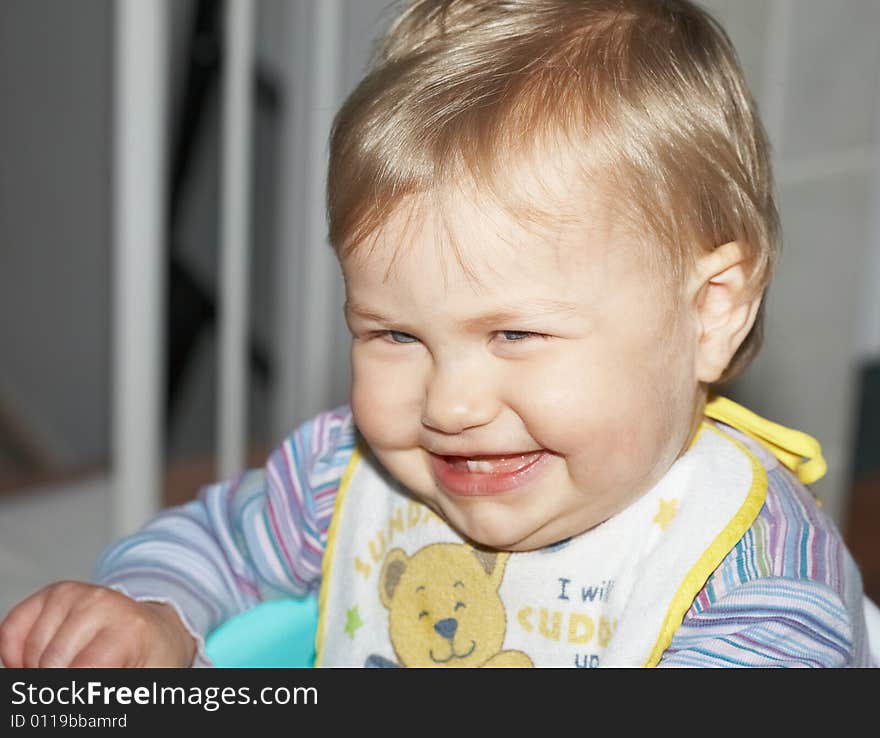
[
  {"x": 772, "y": 622},
  {"x": 788, "y": 594},
  {"x": 161, "y": 590}
]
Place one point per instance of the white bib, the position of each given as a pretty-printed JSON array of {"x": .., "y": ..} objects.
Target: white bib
[{"x": 402, "y": 588}]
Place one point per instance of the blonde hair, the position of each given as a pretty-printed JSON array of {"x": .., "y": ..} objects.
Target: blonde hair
[{"x": 648, "y": 95}]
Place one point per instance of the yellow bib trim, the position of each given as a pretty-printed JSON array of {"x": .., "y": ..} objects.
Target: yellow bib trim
[
  {"x": 798, "y": 451},
  {"x": 696, "y": 578},
  {"x": 327, "y": 562}
]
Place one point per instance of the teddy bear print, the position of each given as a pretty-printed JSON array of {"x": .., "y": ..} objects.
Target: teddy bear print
[{"x": 444, "y": 608}]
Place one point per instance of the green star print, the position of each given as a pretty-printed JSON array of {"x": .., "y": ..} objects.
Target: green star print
[{"x": 352, "y": 622}]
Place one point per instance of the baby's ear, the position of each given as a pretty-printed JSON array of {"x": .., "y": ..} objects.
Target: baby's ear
[{"x": 726, "y": 304}]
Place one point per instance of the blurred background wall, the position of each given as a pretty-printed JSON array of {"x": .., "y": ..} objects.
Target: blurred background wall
[
  {"x": 814, "y": 67},
  {"x": 55, "y": 208}
]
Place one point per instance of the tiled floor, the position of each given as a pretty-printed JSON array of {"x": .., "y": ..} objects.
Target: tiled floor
[{"x": 50, "y": 534}]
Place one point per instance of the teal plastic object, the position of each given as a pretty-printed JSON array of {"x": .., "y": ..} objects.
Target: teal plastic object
[{"x": 276, "y": 634}]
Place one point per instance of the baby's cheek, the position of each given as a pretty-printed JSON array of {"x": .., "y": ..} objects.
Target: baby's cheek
[
  {"x": 560, "y": 409},
  {"x": 634, "y": 451},
  {"x": 383, "y": 407},
  {"x": 368, "y": 405},
  {"x": 600, "y": 430}
]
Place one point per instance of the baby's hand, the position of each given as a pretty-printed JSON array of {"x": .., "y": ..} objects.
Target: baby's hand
[{"x": 78, "y": 625}]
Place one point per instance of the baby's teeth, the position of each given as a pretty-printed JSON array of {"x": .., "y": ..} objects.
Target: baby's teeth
[{"x": 479, "y": 466}]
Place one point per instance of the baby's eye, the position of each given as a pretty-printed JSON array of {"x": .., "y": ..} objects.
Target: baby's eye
[
  {"x": 398, "y": 337},
  {"x": 423, "y": 614},
  {"x": 518, "y": 335},
  {"x": 459, "y": 605}
]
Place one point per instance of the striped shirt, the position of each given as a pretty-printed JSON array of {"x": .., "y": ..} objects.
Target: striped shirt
[{"x": 788, "y": 594}]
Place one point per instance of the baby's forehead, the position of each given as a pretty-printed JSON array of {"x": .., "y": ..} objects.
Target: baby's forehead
[
  {"x": 465, "y": 237},
  {"x": 474, "y": 228},
  {"x": 545, "y": 209},
  {"x": 551, "y": 191},
  {"x": 488, "y": 259},
  {"x": 524, "y": 203}
]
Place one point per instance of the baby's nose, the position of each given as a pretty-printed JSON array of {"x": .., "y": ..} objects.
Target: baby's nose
[
  {"x": 446, "y": 627},
  {"x": 456, "y": 399}
]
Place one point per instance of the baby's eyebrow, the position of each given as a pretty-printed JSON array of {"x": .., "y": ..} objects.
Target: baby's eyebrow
[
  {"x": 522, "y": 311},
  {"x": 353, "y": 308}
]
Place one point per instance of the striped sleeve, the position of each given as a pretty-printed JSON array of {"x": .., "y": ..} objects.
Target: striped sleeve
[
  {"x": 259, "y": 536},
  {"x": 787, "y": 595}
]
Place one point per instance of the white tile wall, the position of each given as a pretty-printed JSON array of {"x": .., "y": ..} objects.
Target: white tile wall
[
  {"x": 747, "y": 22},
  {"x": 833, "y": 77}
]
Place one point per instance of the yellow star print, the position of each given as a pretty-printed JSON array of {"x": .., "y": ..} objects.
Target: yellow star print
[
  {"x": 352, "y": 621},
  {"x": 667, "y": 511}
]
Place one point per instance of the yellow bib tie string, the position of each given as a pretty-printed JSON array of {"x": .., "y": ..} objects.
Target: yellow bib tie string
[{"x": 796, "y": 450}]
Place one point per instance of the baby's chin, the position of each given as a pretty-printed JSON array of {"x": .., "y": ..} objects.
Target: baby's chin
[
  {"x": 505, "y": 543},
  {"x": 501, "y": 535},
  {"x": 505, "y": 530}
]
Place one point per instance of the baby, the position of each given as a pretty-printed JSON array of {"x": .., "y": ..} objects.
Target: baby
[{"x": 555, "y": 223}]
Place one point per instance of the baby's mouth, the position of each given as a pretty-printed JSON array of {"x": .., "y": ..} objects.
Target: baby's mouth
[
  {"x": 492, "y": 464},
  {"x": 486, "y": 474}
]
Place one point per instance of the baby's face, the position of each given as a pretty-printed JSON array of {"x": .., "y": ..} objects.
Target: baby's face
[{"x": 531, "y": 396}]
